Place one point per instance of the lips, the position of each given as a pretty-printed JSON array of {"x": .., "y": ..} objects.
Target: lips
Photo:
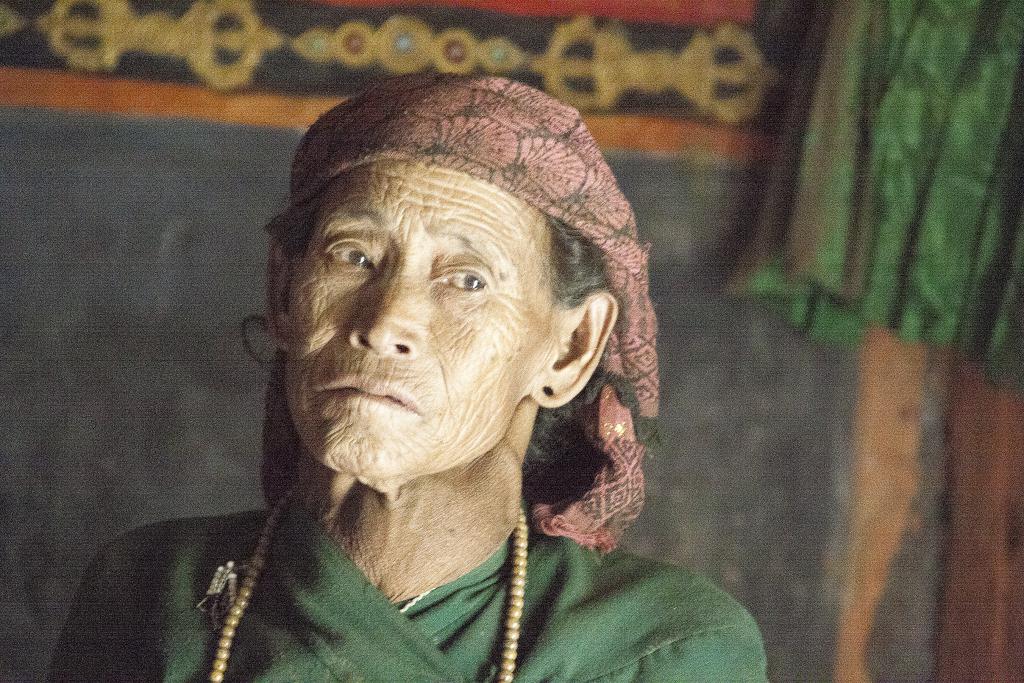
[{"x": 387, "y": 392}]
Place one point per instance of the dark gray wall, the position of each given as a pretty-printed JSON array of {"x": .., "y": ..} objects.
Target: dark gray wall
[
  {"x": 748, "y": 484},
  {"x": 134, "y": 251}
]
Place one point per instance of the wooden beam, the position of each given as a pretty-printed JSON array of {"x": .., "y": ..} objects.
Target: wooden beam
[
  {"x": 886, "y": 476},
  {"x": 982, "y": 624},
  {"x": 107, "y": 95},
  {"x": 83, "y": 92}
]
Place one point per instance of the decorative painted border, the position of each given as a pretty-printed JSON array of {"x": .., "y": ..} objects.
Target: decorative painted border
[{"x": 716, "y": 74}]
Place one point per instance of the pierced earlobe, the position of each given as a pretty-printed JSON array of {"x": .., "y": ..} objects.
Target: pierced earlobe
[
  {"x": 579, "y": 338},
  {"x": 545, "y": 398}
]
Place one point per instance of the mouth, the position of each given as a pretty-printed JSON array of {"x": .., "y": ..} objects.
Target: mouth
[{"x": 353, "y": 386}]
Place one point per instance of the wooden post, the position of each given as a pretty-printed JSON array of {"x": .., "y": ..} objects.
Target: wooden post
[
  {"x": 982, "y": 625},
  {"x": 886, "y": 475}
]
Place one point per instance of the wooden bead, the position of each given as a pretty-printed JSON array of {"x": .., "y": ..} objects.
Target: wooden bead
[{"x": 234, "y": 616}]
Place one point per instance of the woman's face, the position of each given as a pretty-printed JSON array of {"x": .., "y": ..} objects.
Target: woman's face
[{"x": 420, "y": 317}]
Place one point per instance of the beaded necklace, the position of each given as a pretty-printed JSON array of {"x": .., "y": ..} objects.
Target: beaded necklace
[{"x": 513, "y": 615}]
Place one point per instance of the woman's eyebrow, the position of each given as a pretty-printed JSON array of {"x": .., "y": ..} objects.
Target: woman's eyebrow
[
  {"x": 348, "y": 214},
  {"x": 481, "y": 248}
]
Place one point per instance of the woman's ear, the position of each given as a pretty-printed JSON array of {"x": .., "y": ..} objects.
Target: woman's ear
[
  {"x": 582, "y": 335},
  {"x": 279, "y": 277}
]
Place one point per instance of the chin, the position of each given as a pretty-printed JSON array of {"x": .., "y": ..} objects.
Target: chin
[{"x": 367, "y": 456}]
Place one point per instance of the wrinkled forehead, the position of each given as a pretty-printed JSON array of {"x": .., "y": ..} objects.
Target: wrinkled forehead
[
  {"x": 402, "y": 196},
  {"x": 441, "y": 191}
]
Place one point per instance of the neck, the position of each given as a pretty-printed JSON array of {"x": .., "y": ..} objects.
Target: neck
[{"x": 429, "y": 532}]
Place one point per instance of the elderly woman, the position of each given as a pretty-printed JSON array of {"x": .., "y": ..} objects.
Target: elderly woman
[{"x": 465, "y": 361}]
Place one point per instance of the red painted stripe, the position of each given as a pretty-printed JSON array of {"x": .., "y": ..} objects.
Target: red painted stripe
[{"x": 673, "y": 12}]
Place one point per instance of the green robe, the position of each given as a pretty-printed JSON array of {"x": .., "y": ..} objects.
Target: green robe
[{"x": 315, "y": 617}]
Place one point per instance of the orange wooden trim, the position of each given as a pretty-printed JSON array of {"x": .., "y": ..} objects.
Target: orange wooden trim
[
  {"x": 981, "y": 635},
  {"x": 82, "y": 92},
  {"x": 886, "y": 478},
  {"x": 22, "y": 87},
  {"x": 661, "y": 134}
]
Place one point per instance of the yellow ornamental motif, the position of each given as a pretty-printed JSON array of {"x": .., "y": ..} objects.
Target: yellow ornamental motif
[
  {"x": 92, "y": 41},
  {"x": 10, "y": 21},
  {"x": 404, "y": 45},
  {"x": 732, "y": 91},
  {"x": 693, "y": 72},
  {"x": 455, "y": 51},
  {"x": 210, "y": 30},
  {"x": 500, "y": 56},
  {"x": 225, "y": 41},
  {"x": 351, "y": 44}
]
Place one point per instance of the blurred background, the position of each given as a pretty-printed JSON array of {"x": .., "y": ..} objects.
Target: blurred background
[{"x": 832, "y": 192}]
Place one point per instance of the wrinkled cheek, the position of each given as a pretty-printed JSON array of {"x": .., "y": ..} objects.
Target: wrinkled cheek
[
  {"x": 299, "y": 406},
  {"x": 498, "y": 374},
  {"x": 301, "y": 376},
  {"x": 524, "y": 329},
  {"x": 481, "y": 395},
  {"x": 318, "y": 314}
]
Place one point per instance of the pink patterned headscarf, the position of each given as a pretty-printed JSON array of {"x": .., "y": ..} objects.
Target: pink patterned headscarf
[{"x": 539, "y": 150}]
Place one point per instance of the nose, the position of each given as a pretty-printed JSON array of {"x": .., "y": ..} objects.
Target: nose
[
  {"x": 390, "y": 323},
  {"x": 383, "y": 342}
]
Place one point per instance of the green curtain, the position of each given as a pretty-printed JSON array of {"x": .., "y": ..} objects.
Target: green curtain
[{"x": 897, "y": 200}]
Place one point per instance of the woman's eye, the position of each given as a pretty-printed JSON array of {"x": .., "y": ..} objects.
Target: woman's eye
[
  {"x": 468, "y": 281},
  {"x": 355, "y": 257}
]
